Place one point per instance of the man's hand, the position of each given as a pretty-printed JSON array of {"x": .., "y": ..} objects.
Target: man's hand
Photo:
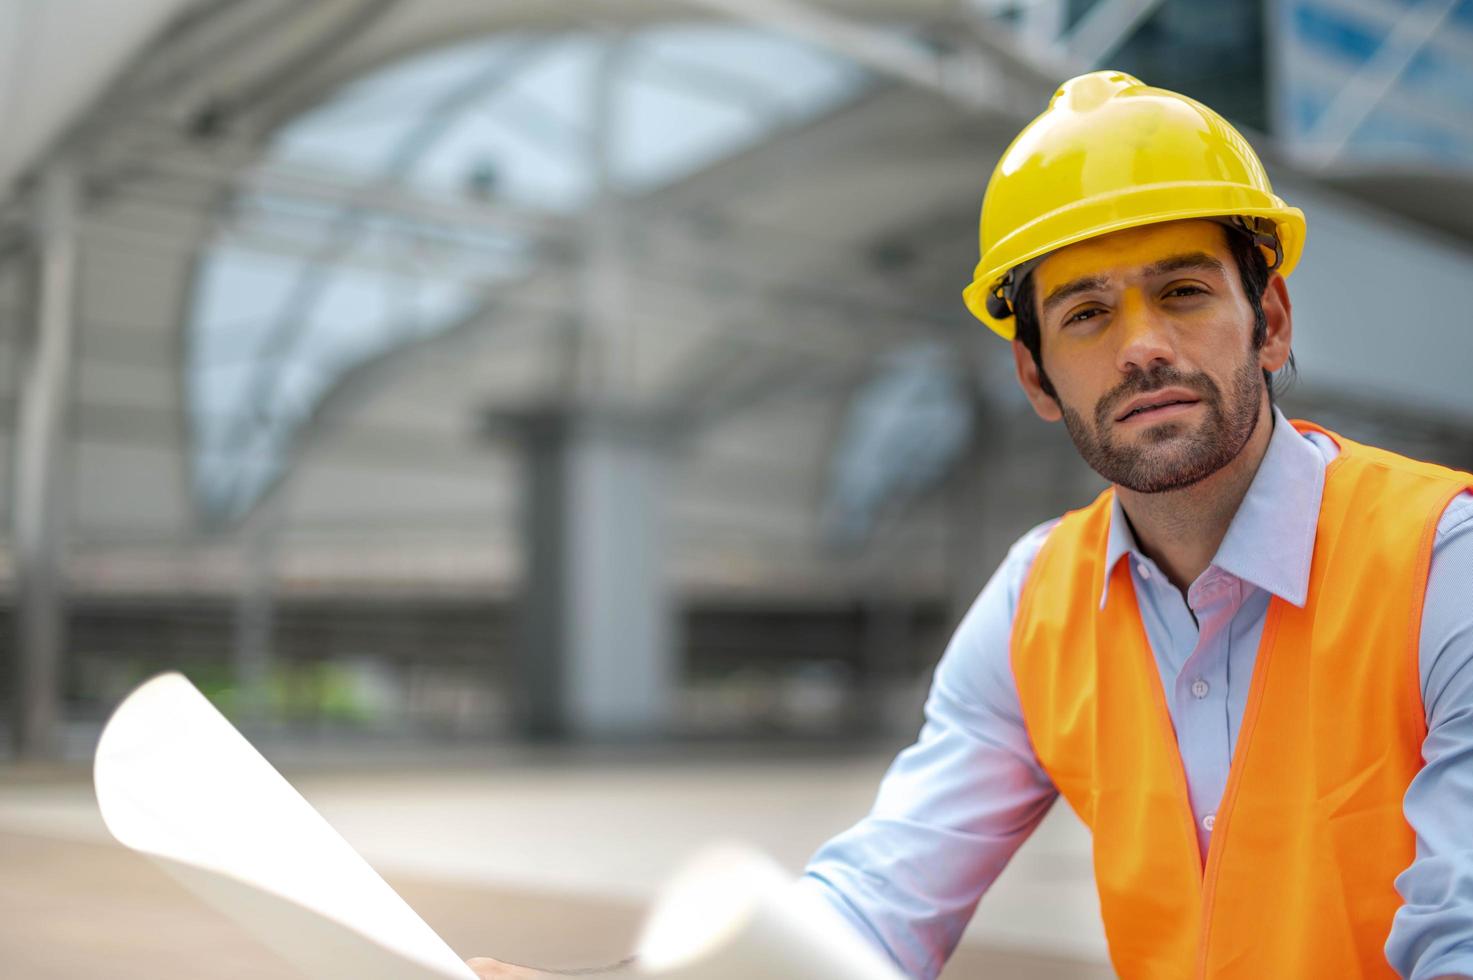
[{"x": 489, "y": 969}]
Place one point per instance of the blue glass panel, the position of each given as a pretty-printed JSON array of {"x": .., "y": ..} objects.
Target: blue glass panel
[
  {"x": 1336, "y": 32},
  {"x": 903, "y": 432}
]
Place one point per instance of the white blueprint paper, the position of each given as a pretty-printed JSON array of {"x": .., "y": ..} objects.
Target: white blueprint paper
[
  {"x": 732, "y": 914},
  {"x": 176, "y": 782}
]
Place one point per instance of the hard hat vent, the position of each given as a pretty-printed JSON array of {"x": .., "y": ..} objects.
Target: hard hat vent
[{"x": 1093, "y": 90}]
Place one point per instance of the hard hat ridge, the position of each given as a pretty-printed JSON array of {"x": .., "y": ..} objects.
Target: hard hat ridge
[{"x": 1111, "y": 153}]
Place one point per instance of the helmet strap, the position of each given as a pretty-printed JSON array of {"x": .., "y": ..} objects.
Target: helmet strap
[
  {"x": 1003, "y": 300},
  {"x": 1264, "y": 234}
]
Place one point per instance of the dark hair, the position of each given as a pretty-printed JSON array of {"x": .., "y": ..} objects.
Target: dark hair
[{"x": 1252, "y": 270}]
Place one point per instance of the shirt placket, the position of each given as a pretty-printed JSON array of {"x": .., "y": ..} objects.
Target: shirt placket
[{"x": 1201, "y": 693}]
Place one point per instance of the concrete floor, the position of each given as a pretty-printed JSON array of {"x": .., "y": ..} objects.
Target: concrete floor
[{"x": 546, "y": 862}]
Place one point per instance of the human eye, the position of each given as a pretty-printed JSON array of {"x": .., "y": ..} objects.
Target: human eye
[
  {"x": 1186, "y": 289},
  {"x": 1082, "y": 314}
]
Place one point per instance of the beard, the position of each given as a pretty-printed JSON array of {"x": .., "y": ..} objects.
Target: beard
[{"x": 1169, "y": 455}]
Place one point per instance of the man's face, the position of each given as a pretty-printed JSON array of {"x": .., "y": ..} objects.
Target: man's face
[{"x": 1148, "y": 340}]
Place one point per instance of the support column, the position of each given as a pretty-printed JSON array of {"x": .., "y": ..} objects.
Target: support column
[
  {"x": 598, "y": 657},
  {"x": 39, "y": 511}
]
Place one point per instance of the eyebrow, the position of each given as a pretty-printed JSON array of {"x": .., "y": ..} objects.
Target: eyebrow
[
  {"x": 1073, "y": 287},
  {"x": 1172, "y": 263},
  {"x": 1188, "y": 260}
]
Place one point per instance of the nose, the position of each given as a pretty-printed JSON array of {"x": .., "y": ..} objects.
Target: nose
[{"x": 1145, "y": 336}]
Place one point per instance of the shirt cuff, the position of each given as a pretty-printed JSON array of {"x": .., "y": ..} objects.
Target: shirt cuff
[{"x": 815, "y": 887}]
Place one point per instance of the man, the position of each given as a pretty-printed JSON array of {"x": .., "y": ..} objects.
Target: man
[{"x": 1248, "y": 665}]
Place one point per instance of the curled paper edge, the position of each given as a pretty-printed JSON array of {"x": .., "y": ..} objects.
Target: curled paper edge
[{"x": 178, "y": 784}]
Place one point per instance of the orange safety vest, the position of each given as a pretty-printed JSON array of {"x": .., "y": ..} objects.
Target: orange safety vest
[{"x": 1310, "y": 836}]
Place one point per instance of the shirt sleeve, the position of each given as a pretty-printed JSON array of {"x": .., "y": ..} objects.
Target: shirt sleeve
[
  {"x": 1432, "y": 934},
  {"x": 955, "y": 805}
]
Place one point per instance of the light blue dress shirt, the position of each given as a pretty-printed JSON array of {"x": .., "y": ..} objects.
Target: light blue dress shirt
[{"x": 955, "y": 805}]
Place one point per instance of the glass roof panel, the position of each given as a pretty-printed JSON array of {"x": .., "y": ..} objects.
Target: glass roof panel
[
  {"x": 904, "y": 431},
  {"x": 671, "y": 131},
  {"x": 300, "y": 291},
  {"x": 356, "y": 130},
  {"x": 694, "y": 94}
]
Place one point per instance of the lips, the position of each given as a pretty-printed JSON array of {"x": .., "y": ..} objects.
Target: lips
[
  {"x": 1157, "y": 400},
  {"x": 1152, "y": 408}
]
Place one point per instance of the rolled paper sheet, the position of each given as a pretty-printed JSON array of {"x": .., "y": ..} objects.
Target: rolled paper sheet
[
  {"x": 733, "y": 914},
  {"x": 176, "y": 782},
  {"x": 317, "y": 944}
]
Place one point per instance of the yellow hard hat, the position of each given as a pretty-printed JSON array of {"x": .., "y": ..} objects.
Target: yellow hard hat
[{"x": 1109, "y": 153}]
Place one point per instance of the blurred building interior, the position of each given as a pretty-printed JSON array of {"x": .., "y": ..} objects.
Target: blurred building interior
[{"x": 589, "y": 370}]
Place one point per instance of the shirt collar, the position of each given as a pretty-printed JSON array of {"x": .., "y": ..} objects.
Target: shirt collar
[{"x": 1270, "y": 541}]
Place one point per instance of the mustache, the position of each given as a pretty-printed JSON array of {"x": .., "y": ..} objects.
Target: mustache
[{"x": 1145, "y": 382}]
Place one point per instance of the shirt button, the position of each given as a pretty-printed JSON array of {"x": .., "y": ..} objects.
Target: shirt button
[
  {"x": 1208, "y": 821},
  {"x": 1145, "y": 572},
  {"x": 1199, "y": 689}
]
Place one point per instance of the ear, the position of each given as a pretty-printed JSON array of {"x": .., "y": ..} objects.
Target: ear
[
  {"x": 1043, "y": 403},
  {"x": 1279, "y": 313}
]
